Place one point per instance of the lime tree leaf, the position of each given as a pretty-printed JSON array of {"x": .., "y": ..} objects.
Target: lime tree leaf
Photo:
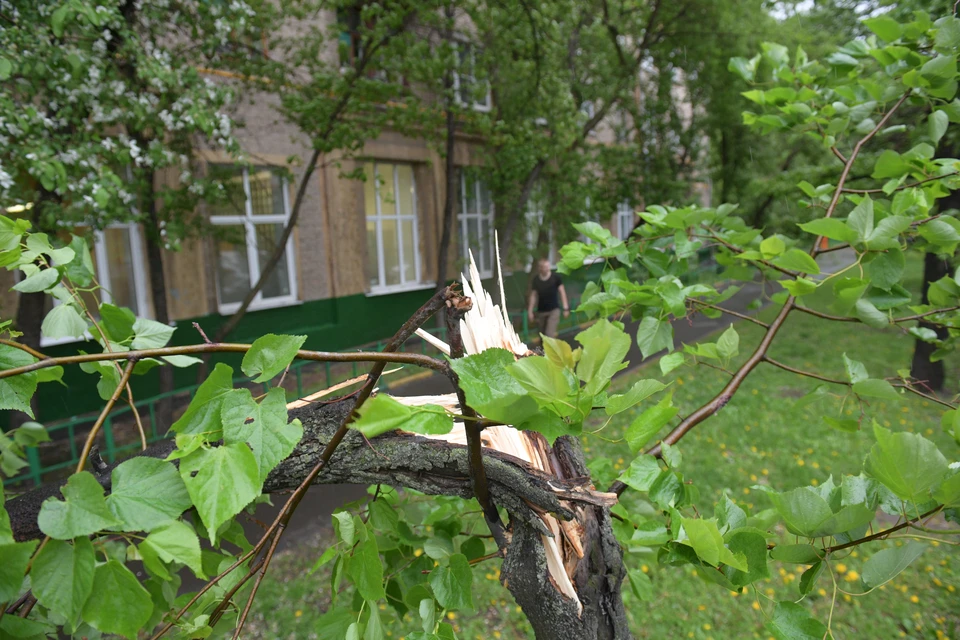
[
  {"x": 802, "y": 510},
  {"x": 796, "y": 553},
  {"x": 642, "y": 473},
  {"x": 937, "y": 125},
  {"x": 830, "y": 228},
  {"x": 798, "y": 260},
  {"x": 604, "y": 347},
  {"x": 62, "y": 576},
  {"x": 83, "y": 512},
  {"x": 263, "y": 426},
  {"x": 729, "y": 343},
  {"x": 799, "y": 287},
  {"x": 39, "y": 281},
  {"x": 490, "y": 390},
  {"x": 176, "y": 542},
  {"x": 729, "y": 515},
  {"x": 640, "y": 391},
  {"x": 861, "y": 219},
  {"x": 117, "y": 322},
  {"x": 122, "y": 605},
  {"x": 16, "y": 391},
  {"x": 874, "y": 388},
  {"x": 382, "y": 413},
  {"x": 63, "y": 321},
  {"x": 366, "y": 570},
  {"x": 885, "y": 27},
  {"x": 772, "y": 246},
  {"x": 654, "y": 335},
  {"x": 221, "y": 481},
  {"x": 886, "y": 269},
  {"x": 559, "y": 352},
  {"x": 855, "y": 370},
  {"x": 14, "y": 558},
  {"x": 551, "y": 426},
  {"x": 885, "y": 565},
  {"x": 948, "y": 493},
  {"x": 269, "y": 355},
  {"x": 30, "y": 434},
  {"x": 640, "y": 585},
  {"x": 869, "y": 315},
  {"x": 203, "y": 414},
  {"x": 791, "y": 621},
  {"x": 543, "y": 379},
  {"x": 648, "y": 423},
  {"x": 670, "y": 362},
  {"x": 146, "y": 493},
  {"x": 150, "y": 334},
  {"x": 453, "y": 583},
  {"x": 751, "y": 546},
  {"x": 704, "y": 536},
  {"x": 906, "y": 463}
]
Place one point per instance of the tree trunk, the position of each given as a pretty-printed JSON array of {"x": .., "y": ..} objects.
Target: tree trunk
[
  {"x": 930, "y": 374},
  {"x": 519, "y": 209},
  {"x": 158, "y": 291},
  {"x": 437, "y": 467},
  {"x": 449, "y": 203}
]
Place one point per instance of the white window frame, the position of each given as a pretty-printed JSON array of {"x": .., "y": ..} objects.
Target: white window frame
[
  {"x": 249, "y": 222},
  {"x": 378, "y": 218},
  {"x": 625, "y": 216},
  {"x": 487, "y": 103},
  {"x": 140, "y": 282},
  {"x": 464, "y": 216},
  {"x": 534, "y": 218}
]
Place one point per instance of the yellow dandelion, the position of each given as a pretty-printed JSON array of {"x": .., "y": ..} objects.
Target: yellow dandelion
[
  {"x": 770, "y": 591},
  {"x": 707, "y": 627},
  {"x": 800, "y": 462},
  {"x": 928, "y": 568},
  {"x": 914, "y": 599},
  {"x": 645, "y": 569},
  {"x": 847, "y": 598},
  {"x": 297, "y": 613},
  {"x": 753, "y": 477},
  {"x": 451, "y": 615},
  {"x": 755, "y": 392},
  {"x": 814, "y": 482},
  {"x": 951, "y": 588},
  {"x": 701, "y": 607},
  {"x": 765, "y": 472},
  {"x": 937, "y": 582},
  {"x": 851, "y": 576},
  {"x": 753, "y": 448},
  {"x": 734, "y": 593},
  {"x": 755, "y": 605},
  {"x": 841, "y": 568},
  {"x": 815, "y": 465},
  {"x": 680, "y": 381},
  {"x": 853, "y": 554},
  {"x": 417, "y": 552},
  {"x": 746, "y": 490},
  {"x": 822, "y": 592}
]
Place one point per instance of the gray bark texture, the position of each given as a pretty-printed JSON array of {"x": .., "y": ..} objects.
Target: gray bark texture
[{"x": 440, "y": 468}]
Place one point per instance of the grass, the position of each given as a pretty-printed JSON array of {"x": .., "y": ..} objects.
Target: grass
[{"x": 756, "y": 439}]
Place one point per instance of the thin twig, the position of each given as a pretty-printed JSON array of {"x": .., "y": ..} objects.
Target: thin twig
[
  {"x": 206, "y": 340},
  {"x": 882, "y": 534},
  {"x": 136, "y": 417},
  {"x": 730, "y": 312},
  {"x": 23, "y": 347},
  {"x": 906, "y": 186},
  {"x": 92, "y": 436},
  {"x": 801, "y": 372},
  {"x": 256, "y": 584}
]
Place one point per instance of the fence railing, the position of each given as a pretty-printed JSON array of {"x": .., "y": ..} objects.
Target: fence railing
[{"x": 119, "y": 434}]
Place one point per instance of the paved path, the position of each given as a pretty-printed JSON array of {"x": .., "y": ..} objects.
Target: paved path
[{"x": 314, "y": 511}]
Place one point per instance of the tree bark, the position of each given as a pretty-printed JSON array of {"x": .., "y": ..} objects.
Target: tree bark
[
  {"x": 930, "y": 374},
  {"x": 449, "y": 203},
  {"x": 437, "y": 467}
]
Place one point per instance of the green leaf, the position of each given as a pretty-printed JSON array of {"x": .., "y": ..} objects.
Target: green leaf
[
  {"x": 906, "y": 463},
  {"x": 269, "y": 355},
  {"x": 642, "y": 473},
  {"x": 772, "y": 247},
  {"x": 855, "y": 370},
  {"x": 796, "y": 553},
  {"x": 117, "y": 322},
  {"x": 452, "y": 583},
  {"x": 6, "y": 68},
  {"x": 324, "y": 558},
  {"x": 890, "y": 165},
  {"x": 62, "y": 576},
  {"x": 937, "y": 125},
  {"x": 382, "y": 413},
  {"x": 16, "y": 391},
  {"x": 263, "y": 426},
  {"x": 203, "y": 414},
  {"x": 345, "y": 526},
  {"x": 704, "y": 537},
  {"x": 559, "y": 352},
  {"x": 746, "y": 69},
  {"x": 39, "y": 281},
  {"x": 797, "y": 260},
  {"x": 874, "y": 388},
  {"x": 366, "y": 570},
  {"x": 544, "y": 380},
  {"x": 940, "y": 69},
  {"x": 648, "y": 423},
  {"x": 670, "y": 362},
  {"x": 830, "y": 228},
  {"x": 948, "y": 34},
  {"x": 885, "y": 27},
  {"x": 83, "y": 512},
  {"x": 490, "y": 390},
  {"x": 374, "y": 630},
  {"x": 809, "y": 578},
  {"x": 799, "y": 287},
  {"x": 176, "y": 542},
  {"x": 221, "y": 481},
  {"x": 802, "y": 510},
  {"x": 791, "y": 621},
  {"x": 948, "y": 493},
  {"x": 640, "y": 585},
  {"x": 654, "y": 335},
  {"x": 122, "y": 605},
  {"x": 14, "y": 558},
  {"x": 63, "y": 321},
  {"x": 869, "y": 315},
  {"x": 150, "y": 334},
  {"x": 751, "y": 546},
  {"x": 861, "y": 219},
  {"x": 886, "y": 269},
  {"x": 885, "y": 565},
  {"x": 938, "y": 232},
  {"x": 604, "y": 347},
  {"x": 146, "y": 493},
  {"x": 640, "y": 391},
  {"x": 729, "y": 343},
  {"x": 729, "y": 515}
]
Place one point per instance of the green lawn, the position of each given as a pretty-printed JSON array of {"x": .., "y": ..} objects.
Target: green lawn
[{"x": 756, "y": 439}]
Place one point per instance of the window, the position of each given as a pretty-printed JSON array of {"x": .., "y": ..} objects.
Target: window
[
  {"x": 625, "y": 220},
  {"x": 118, "y": 260},
  {"x": 390, "y": 203},
  {"x": 250, "y": 222},
  {"x": 353, "y": 28},
  {"x": 476, "y": 222},
  {"x": 467, "y": 88},
  {"x": 534, "y": 219}
]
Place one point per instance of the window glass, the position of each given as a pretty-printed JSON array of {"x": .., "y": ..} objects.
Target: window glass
[
  {"x": 390, "y": 206},
  {"x": 476, "y": 221}
]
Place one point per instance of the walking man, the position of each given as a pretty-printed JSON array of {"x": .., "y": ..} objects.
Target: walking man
[{"x": 549, "y": 296}]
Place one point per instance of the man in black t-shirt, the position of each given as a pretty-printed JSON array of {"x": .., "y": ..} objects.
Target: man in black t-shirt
[{"x": 548, "y": 294}]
